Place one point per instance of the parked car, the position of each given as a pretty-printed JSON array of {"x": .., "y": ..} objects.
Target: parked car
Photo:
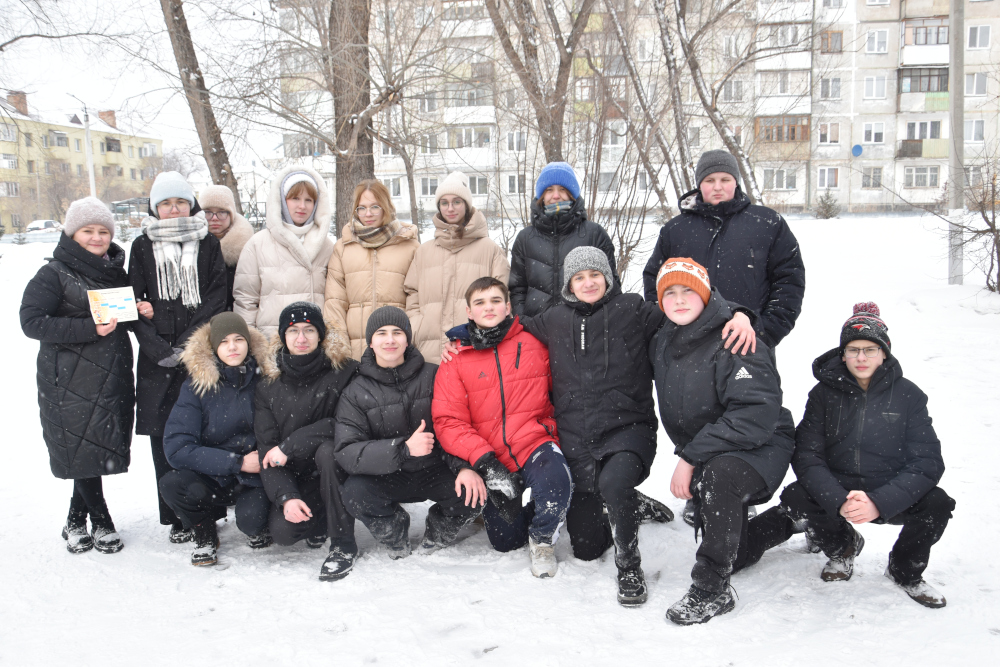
[{"x": 44, "y": 226}]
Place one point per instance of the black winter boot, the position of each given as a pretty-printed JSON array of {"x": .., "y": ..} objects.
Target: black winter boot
[
  {"x": 392, "y": 532},
  {"x": 631, "y": 587},
  {"x": 841, "y": 568},
  {"x": 338, "y": 563},
  {"x": 700, "y": 606},
  {"x": 206, "y": 544},
  {"x": 441, "y": 531},
  {"x": 78, "y": 540},
  {"x": 651, "y": 509},
  {"x": 106, "y": 538},
  {"x": 179, "y": 534},
  {"x": 261, "y": 540}
]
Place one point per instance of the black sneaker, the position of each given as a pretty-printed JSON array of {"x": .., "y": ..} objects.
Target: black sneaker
[
  {"x": 206, "y": 544},
  {"x": 78, "y": 540},
  {"x": 107, "y": 540},
  {"x": 631, "y": 587},
  {"x": 687, "y": 514},
  {"x": 841, "y": 568},
  {"x": 700, "y": 606},
  {"x": 260, "y": 541},
  {"x": 651, "y": 509},
  {"x": 179, "y": 534},
  {"x": 338, "y": 564}
]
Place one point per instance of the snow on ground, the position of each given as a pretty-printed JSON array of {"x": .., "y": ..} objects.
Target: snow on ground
[{"x": 147, "y": 605}]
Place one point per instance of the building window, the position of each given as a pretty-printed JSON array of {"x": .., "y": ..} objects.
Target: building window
[
  {"x": 478, "y": 185},
  {"x": 612, "y": 138},
  {"x": 784, "y": 83},
  {"x": 924, "y": 80},
  {"x": 878, "y": 41},
  {"x": 9, "y": 133},
  {"x": 829, "y": 133},
  {"x": 875, "y": 87},
  {"x": 31, "y": 166},
  {"x": 783, "y": 128},
  {"x": 392, "y": 185},
  {"x": 389, "y": 150},
  {"x": 930, "y": 35},
  {"x": 79, "y": 170},
  {"x": 517, "y": 141},
  {"x": 871, "y": 178},
  {"x": 878, "y": 2},
  {"x": 106, "y": 172},
  {"x": 920, "y": 177},
  {"x": 48, "y": 168},
  {"x": 923, "y": 130},
  {"x": 119, "y": 171},
  {"x": 10, "y": 189},
  {"x": 831, "y": 42},
  {"x": 974, "y": 131},
  {"x": 732, "y": 91},
  {"x": 975, "y": 84},
  {"x": 979, "y": 37},
  {"x": 779, "y": 179},
  {"x": 103, "y": 148},
  {"x": 27, "y": 139},
  {"x": 828, "y": 178},
  {"x": 463, "y": 10},
  {"x": 833, "y": 4},
  {"x": 149, "y": 150},
  {"x": 607, "y": 181},
  {"x": 515, "y": 184},
  {"x": 428, "y": 186},
  {"x": 973, "y": 176},
  {"x": 429, "y": 143},
  {"x": 643, "y": 181},
  {"x": 784, "y": 35},
  {"x": 65, "y": 167},
  {"x": 428, "y": 102},
  {"x": 694, "y": 136},
  {"x": 131, "y": 151},
  {"x": 830, "y": 88},
  {"x": 469, "y": 137},
  {"x": 131, "y": 172},
  {"x": 584, "y": 90},
  {"x": 874, "y": 133},
  {"x": 114, "y": 145},
  {"x": 15, "y": 220},
  {"x": 45, "y": 141},
  {"x": 62, "y": 141},
  {"x": 8, "y": 161},
  {"x": 78, "y": 145}
]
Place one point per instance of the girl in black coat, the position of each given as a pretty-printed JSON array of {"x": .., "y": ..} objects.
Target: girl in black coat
[
  {"x": 179, "y": 277},
  {"x": 85, "y": 388},
  {"x": 209, "y": 438}
]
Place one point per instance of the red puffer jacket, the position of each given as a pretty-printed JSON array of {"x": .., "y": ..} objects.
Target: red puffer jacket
[{"x": 496, "y": 400}]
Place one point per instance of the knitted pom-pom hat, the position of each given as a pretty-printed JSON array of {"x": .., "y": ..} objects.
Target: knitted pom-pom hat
[
  {"x": 683, "y": 271},
  {"x": 299, "y": 312},
  {"x": 866, "y": 324}
]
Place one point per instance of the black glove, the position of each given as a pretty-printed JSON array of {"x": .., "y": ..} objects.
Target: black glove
[{"x": 504, "y": 488}]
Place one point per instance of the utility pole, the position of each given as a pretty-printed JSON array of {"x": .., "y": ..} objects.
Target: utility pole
[
  {"x": 956, "y": 166},
  {"x": 88, "y": 149}
]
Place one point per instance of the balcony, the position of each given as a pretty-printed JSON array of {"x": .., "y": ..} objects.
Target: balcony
[
  {"x": 922, "y": 55},
  {"x": 922, "y": 148},
  {"x": 923, "y": 102}
]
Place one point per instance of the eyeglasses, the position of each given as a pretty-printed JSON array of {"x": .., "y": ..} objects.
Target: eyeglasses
[
  {"x": 374, "y": 208},
  {"x": 854, "y": 352},
  {"x": 219, "y": 215}
]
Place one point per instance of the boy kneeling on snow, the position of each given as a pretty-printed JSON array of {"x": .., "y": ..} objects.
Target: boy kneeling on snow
[
  {"x": 866, "y": 452},
  {"x": 723, "y": 412}
]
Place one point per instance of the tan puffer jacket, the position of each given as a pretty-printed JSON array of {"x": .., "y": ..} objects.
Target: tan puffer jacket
[
  {"x": 442, "y": 270},
  {"x": 277, "y": 267},
  {"x": 360, "y": 279}
]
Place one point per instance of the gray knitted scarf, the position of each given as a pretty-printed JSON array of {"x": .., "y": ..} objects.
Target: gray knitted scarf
[{"x": 175, "y": 249}]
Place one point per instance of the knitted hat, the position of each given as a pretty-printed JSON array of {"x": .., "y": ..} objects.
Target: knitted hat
[
  {"x": 218, "y": 196},
  {"x": 224, "y": 324},
  {"x": 557, "y": 173},
  {"x": 866, "y": 324},
  {"x": 456, "y": 184},
  {"x": 170, "y": 184},
  {"x": 712, "y": 162},
  {"x": 88, "y": 211},
  {"x": 298, "y": 313},
  {"x": 584, "y": 258},
  {"x": 683, "y": 271},
  {"x": 386, "y": 316}
]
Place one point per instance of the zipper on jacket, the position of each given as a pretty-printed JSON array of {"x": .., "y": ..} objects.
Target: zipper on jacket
[
  {"x": 517, "y": 362},
  {"x": 752, "y": 259},
  {"x": 503, "y": 410},
  {"x": 583, "y": 335},
  {"x": 861, "y": 429},
  {"x": 374, "y": 273}
]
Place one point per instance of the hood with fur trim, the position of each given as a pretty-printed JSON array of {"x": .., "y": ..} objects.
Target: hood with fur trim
[
  {"x": 234, "y": 240},
  {"x": 309, "y": 245},
  {"x": 335, "y": 346},
  {"x": 202, "y": 362}
]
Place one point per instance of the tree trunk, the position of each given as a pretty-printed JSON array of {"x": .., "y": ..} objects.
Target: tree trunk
[
  {"x": 414, "y": 208},
  {"x": 687, "y": 173},
  {"x": 197, "y": 95}
]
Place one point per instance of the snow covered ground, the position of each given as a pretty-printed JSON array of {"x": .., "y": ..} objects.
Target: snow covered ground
[{"x": 148, "y": 606}]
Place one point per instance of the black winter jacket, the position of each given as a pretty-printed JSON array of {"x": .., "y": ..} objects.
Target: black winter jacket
[
  {"x": 295, "y": 405},
  {"x": 157, "y": 388},
  {"x": 86, "y": 394},
  {"x": 880, "y": 441},
  {"x": 210, "y": 428},
  {"x": 602, "y": 379},
  {"x": 716, "y": 403},
  {"x": 536, "y": 260},
  {"x": 380, "y": 410},
  {"x": 750, "y": 253}
]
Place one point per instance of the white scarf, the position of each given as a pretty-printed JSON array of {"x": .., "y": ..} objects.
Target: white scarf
[{"x": 175, "y": 249}]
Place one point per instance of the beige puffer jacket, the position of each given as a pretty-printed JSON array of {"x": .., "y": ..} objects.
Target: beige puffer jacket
[
  {"x": 360, "y": 279},
  {"x": 277, "y": 267},
  {"x": 442, "y": 270}
]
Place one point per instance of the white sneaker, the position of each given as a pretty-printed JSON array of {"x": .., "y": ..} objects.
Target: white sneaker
[
  {"x": 543, "y": 559},
  {"x": 921, "y": 592}
]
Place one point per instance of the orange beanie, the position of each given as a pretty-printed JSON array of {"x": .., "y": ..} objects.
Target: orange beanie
[{"x": 682, "y": 271}]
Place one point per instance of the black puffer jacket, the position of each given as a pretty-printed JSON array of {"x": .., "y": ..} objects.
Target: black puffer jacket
[
  {"x": 86, "y": 394},
  {"x": 750, "y": 253},
  {"x": 536, "y": 260},
  {"x": 602, "y": 379},
  {"x": 380, "y": 410},
  {"x": 294, "y": 409},
  {"x": 157, "y": 388},
  {"x": 716, "y": 403},
  {"x": 880, "y": 441}
]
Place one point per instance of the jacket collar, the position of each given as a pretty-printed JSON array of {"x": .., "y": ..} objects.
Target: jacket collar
[
  {"x": 559, "y": 224},
  {"x": 683, "y": 339},
  {"x": 110, "y": 271},
  {"x": 829, "y": 368},
  {"x": 692, "y": 202},
  {"x": 445, "y": 234}
]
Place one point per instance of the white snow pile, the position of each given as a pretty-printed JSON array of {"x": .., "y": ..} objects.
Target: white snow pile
[{"x": 147, "y": 605}]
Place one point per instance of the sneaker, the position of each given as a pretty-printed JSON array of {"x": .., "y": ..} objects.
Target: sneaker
[
  {"x": 687, "y": 514},
  {"x": 700, "y": 606},
  {"x": 179, "y": 534},
  {"x": 260, "y": 541},
  {"x": 400, "y": 551},
  {"x": 315, "y": 541},
  {"x": 543, "y": 559},
  {"x": 631, "y": 587},
  {"x": 338, "y": 564},
  {"x": 842, "y": 567},
  {"x": 78, "y": 540},
  {"x": 651, "y": 509},
  {"x": 206, "y": 547},
  {"x": 921, "y": 592},
  {"x": 107, "y": 540}
]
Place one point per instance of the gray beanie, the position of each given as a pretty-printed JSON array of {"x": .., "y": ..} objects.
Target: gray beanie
[
  {"x": 585, "y": 258},
  {"x": 712, "y": 162},
  {"x": 88, "y": 211},
  {"x": 170, "y": 184},
  {"x": 386, "y": 316}
]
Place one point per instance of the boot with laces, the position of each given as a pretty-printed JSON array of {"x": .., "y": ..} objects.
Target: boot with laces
[
  {"x": 700, "y": 606},
  {"x": 631, "y": 587},
  {"x": 543, "y": 559}
]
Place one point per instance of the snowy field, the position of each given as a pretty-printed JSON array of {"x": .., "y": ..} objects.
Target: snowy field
[{"x": 148, "y": 606}]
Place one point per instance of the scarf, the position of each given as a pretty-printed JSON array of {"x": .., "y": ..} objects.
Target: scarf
[
  {"x": 374, "y": 237},
  {"x": 483, "y": 339},
  {"x": 175, "y": 249},
  {"x": 558, "y": 207}
]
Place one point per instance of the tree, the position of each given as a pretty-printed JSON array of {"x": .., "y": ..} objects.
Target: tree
[{"x": 981, "y": 229}]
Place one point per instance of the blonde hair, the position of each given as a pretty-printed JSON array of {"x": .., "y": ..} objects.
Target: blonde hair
[{"x": 381, "y": 195}]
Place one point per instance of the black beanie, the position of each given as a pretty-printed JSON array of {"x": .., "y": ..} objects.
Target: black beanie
[
  {"x": 224, "y": 324},
  {"x": 712, "y": 162},
  {"x": 866, "y": 324},
  {"x": 386, "y": 316},
  {"x": 299, "y": 312}
]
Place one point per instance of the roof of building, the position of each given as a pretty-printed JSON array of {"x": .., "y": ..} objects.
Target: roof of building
[{"x": 70, "y": 120}]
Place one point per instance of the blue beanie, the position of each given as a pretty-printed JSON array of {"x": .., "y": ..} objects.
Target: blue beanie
[
  {"x": 557, "y": 173},
  {"x": 170, "y": 184}
]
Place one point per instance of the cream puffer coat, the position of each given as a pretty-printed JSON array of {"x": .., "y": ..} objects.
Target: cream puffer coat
[
  {"x": 442, "y": 270},
  {"x": 360, "y": 279},
  {"x": 278, "y": 267}
]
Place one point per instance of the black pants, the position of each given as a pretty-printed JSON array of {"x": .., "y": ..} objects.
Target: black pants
[
  {"x": 923, "y": 525},
  {"x": 374, "y": 500},
  {"x": 161, "y": 466},
  {"x": 285, "y": 532},
  {"x": 590, "y": 531},
  {"x": 88, "y": 498},
  {"x": 339, "y": 522},
  {"x": 196, "y": 498}
]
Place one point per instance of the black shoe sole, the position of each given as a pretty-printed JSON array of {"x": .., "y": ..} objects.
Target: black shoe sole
[
  {"x": 83, "y": 548},
  {"x": 626, "y": 601},
  {"x": 323, "y": 576},
  {"x": 724, "y": 610},
  {"x": 110, "y": 549}
]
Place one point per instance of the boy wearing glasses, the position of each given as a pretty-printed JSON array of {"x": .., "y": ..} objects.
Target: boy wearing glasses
[
  {"x": 866, "y": 452},
  {"x": 225, "y": 224}
]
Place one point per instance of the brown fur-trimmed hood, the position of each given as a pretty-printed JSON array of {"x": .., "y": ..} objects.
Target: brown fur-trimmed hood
[
  {"x": 234, "y": 240},
  {"x": 335, "y": 345},
  {"x": 203, "y": 364}
]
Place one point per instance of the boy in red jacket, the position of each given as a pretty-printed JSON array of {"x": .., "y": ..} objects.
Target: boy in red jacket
[{"x": 491, "y": 407}]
